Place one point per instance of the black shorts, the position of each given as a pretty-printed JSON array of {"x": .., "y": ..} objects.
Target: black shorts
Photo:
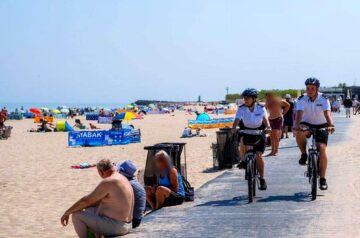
[
  {"x": 251, "y": 139},
  {"x": 173, "y": 200},
  {"x": 288, "y": 121},
  {"x": 321, "y": 136},
  {"x": 260, "y": 144}
]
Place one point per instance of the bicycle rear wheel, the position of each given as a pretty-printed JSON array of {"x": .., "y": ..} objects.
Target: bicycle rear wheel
[
  {"x": 254, "y": 178},
  {"x": 314, "y": 175},
  {"x": 250, "y": 178}
]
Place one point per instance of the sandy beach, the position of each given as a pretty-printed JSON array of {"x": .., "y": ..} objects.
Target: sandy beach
[{"x": 37, "y": 184}]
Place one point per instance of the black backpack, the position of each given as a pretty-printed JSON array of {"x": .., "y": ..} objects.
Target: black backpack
[{"x": 189, "y": 191}]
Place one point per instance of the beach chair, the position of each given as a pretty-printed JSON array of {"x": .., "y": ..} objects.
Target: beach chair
[
  {"x": 174, "y": 150},
  {"x": 5, "y": 133}
]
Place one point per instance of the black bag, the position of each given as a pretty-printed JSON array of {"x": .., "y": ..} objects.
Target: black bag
[{"x": 189, "y": 191}]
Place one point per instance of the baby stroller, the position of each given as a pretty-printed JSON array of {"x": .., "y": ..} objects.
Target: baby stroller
[{"x": 5, "y": 132}]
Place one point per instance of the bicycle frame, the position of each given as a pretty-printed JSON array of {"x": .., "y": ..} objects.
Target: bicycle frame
[
  {"x": 313, "y": 167},
  {"x": 251, "y": 172}
]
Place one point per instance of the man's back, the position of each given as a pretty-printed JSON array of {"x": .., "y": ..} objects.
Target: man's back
[
  {"x": 274, "y": 107},
  {"x": 118, "y": 204}
]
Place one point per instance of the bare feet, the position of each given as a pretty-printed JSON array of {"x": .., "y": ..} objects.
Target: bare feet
[{"x": 270, "y": 154}]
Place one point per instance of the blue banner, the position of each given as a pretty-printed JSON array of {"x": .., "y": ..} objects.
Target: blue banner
[
  {"x": 92, "y": 117},
  {"x": 105, "y": 120},
  {"x": 103, "y": 138}
]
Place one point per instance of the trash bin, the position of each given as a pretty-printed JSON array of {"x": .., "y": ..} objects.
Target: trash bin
[
  {"x": 228, "y": 148},
  {"x": 214, "y": 147}
]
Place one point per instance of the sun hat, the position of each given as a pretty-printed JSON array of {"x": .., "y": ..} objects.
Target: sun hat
[
  {"x": 127, "y": 168},
  {"x": 288, "y": 96}
]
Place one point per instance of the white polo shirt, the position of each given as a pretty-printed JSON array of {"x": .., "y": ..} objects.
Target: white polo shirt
[
  {"x": 313, "y": 110},
  {"x": 251, "y": 119}
]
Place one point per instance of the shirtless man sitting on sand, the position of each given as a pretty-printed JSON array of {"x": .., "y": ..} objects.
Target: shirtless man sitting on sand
[
  {"x": 276, "y": 107},
  {"x": 108, "y": 209}
]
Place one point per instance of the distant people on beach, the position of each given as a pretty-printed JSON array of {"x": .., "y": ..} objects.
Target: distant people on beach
[
  {"x": 79, "y": 124},
  {"x": 108, "y": 210},
  {"x": 335, "y": 106},
  {"x": 2, "y": 125},
  {"x": 288, "y": 117},
  {"x": 355, "y": 105},
  {"x": 348, "y": 104},
  {"x": 44, "y": 126},
  {"x": 188, "y": 133},
  {"x": 3, "y": 117},
  {"x": 4, "y": 114},
  {"x": 276, "y": 107},
  {"x": 128, "y": 169},
  {"x": 93, "y": 127},
  {"x": 116, "y": 125},
  {"x": 169, "y": 191}
]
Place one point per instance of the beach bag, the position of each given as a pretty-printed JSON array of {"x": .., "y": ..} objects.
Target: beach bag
[{"x": 189, "y": 191}]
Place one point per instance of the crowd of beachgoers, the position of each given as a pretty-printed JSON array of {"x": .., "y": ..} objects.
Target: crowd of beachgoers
[{"x": 120, "y": 179}]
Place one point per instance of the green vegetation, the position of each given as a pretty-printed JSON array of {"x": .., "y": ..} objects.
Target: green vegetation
[
  {"x": 230, "y": 98},
  {"x": 342, "y": 85}
]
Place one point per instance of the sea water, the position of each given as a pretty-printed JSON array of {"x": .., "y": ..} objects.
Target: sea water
[{"x": 26, "y": 105}]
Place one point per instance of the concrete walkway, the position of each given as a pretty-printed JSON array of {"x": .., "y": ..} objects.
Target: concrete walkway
[{"x": 221, "y": 208}]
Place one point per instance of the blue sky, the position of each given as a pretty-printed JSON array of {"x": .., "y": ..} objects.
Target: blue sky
[{"x": 120, "y": 51}]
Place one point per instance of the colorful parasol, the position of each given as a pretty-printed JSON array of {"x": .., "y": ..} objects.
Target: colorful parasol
[
  {"x": 127, "y": 116},
  {"x": 35, "y": 111}
]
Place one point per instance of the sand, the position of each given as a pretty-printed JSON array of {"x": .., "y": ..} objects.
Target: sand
[{"x": 37, "y": 184}]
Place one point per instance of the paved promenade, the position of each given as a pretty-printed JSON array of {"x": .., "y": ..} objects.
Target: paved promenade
[{"x": 221, "y": 208}]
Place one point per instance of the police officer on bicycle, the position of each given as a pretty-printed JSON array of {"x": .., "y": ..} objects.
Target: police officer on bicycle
[
  {"x": 313, "y": 110},
  {"x": 252, "y": 116}
]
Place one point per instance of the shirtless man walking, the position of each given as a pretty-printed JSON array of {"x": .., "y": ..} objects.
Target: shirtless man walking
[
  {"x": 108, "y": 209},
  {"x": 276, "y": 107}
]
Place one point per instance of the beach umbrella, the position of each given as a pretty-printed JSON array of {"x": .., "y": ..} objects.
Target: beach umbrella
[
  {"x": 152, "y": 106},
  {"x": 203, "y": 117},
  {"x": 138, "y": 116},
  {"x": 55, "y": 111},
  {"x": 45, "y": 109},
  {"x": 35, "y": 111},
  {"x": 125, "y": 116},
  {"x": 219, "y": 106},
  {"x": 120, "y": 110},
  {"x": 65, "y": 111}
]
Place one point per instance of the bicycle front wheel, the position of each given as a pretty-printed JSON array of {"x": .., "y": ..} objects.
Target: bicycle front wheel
[
  {"x": 314, "y": 175},
  {"x": 250, "y": 178}
]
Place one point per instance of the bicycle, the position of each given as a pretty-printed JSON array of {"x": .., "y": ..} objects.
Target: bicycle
[
  {"x": 313, "y": 160},
  {"x": 251, "y": 173}
]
